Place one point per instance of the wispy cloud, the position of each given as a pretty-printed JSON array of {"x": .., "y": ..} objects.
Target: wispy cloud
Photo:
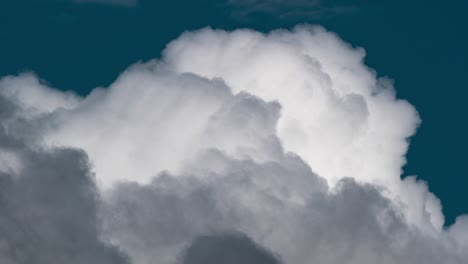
[
  {"x": 129, "y": 3},
  {"x": 294, "y": 9}
]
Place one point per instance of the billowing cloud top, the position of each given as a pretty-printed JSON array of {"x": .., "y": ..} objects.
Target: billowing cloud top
[{"x": 278, "y": 147}]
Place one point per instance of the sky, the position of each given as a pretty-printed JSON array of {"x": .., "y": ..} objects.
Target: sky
[{"x": 184, "y": 126}]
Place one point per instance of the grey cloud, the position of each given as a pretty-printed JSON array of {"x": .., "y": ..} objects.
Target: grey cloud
[
  {"x": 156, "y": 221},
  {"x": 300, "y": 220},
  {"x": 48, "y": 203},
  {"x": 226, "y": 248}
]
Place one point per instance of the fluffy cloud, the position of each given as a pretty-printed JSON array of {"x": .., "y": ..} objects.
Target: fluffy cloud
[
  {"x": 285, "y": 137},
  {"x": 336, "y": 114},
  {"x": 352, "y": 223},
  {"x": 152, "y": 120},
  {"x": 48, "y": 200}
]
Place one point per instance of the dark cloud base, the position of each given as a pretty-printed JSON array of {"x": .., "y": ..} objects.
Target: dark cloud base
[{"x": 226, "y": 248}]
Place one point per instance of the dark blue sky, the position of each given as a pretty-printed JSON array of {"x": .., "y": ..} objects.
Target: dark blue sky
[{"x": 422, "y": 45}]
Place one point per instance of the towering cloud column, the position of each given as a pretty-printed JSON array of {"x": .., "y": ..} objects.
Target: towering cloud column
[{"x": 278, "y": 147}]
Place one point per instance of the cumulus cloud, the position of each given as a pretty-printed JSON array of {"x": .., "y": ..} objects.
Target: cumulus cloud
[
  {"x": 336, "y": 114},
  {"x": 300, "y": 220},
  {"x": 286, "y": 140},
  {"x": 48, "y": 201}
]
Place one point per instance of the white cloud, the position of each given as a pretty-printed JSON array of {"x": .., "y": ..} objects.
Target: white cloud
[
  {"x": 245, "y": 131},
  {"x": 151, "y": 120},
  {"x": 336, "y": 114}
]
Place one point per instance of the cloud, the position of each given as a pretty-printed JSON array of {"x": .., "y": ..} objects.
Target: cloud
[
  {"x": 293, "y": 9},
  {"x": 285, "y": 137},
  {"x": 225, "y": 249},
  {"x": 129, "y": 3},
  {"x": 48, "y": 201},
  {"x": 300, "y": 219},
  {"x": 336, "y": 113},
  {"x": 123, "y": 132}
]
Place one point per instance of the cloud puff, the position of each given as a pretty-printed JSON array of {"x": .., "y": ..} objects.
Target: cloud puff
[
  {"x": 128, "y": 129},
  {"x": 286, "y": 137},
  {"x": 336, "y": 114}
]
